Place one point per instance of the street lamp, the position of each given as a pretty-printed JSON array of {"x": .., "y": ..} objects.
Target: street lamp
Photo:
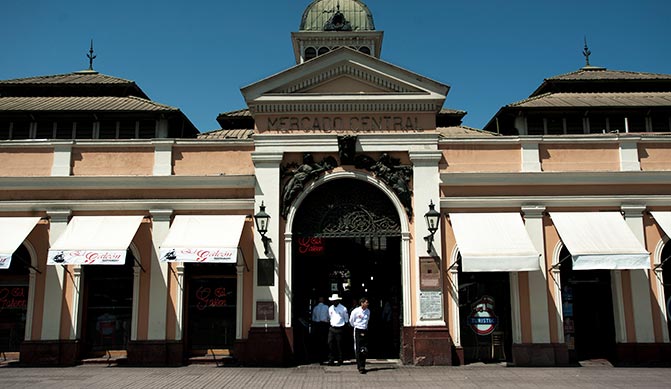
[
  {"x": 432, "y": 218},
  {"x": 261, "y": 218}
]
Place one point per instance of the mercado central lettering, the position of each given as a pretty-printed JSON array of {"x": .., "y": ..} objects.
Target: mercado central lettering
[{"x": 361, "y": 123}]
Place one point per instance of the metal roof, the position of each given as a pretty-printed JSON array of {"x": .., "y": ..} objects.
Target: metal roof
[
  {"x": 616, "y": 99},
  {"x": 233, "y": 134},
  {"x": 82, "y": 77},
  {"x": 461, "y": 131},
  {"x": 319, "y": 12},
  {"x": 598, "y": 73},
  {"x": 107, "y": 103}
]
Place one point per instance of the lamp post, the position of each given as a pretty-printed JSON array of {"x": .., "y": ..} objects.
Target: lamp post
[
  {"x": 261, "y": 218},
  {"x": 432, "y": 218}
]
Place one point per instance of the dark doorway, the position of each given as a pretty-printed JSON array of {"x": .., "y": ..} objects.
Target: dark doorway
[
  {"x": 484, "y": 316},
  {"x": 347, "y": 241},
  {"x": 211, "y": 298},
  {"x": 14, "y": 301},
  {"x": 108, "y": 306},
  {"x": 587, "y": 305},
  {"x": 666, "y": 277}
]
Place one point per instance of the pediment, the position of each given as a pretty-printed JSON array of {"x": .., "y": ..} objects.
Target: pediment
[{"x": 343, "y": 75}]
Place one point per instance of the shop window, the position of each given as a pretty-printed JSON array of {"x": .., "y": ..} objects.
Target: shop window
[
  {"x": 64, "y": 130},
  {"x": 14, "y": 303},
  {"x": 323, "y": 50},
  {"x": 574, "y": 125},
  {"x": 5, "y": 130},
  {"x": 84, "y": 130},
  {"x": 598, "y": 124},
  {"x": 45, "y": 130},
  {"x": 636, "y": 123},
  {"x": 310, "y": 53},
  {"x": 147, "y": 129},
  {"x": 127, "y": 129},
  {"x": 555, "y": 125},
  {"x": 108, "y": 130},
  {"x": 364, "y": 50},
  {"x": 660, "y": 122}
]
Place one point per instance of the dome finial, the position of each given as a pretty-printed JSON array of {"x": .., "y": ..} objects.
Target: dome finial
[
  {"x": 586, "y": 53},
  {"x": 90, "y": 56}
]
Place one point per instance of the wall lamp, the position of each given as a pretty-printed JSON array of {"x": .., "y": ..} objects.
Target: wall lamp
[
  {"x": 432, "y": 218},
  {"x": 261, "y": 218}
]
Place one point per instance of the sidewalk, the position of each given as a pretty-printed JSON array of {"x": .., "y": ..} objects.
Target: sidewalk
[{"x": 382, "y": 374}]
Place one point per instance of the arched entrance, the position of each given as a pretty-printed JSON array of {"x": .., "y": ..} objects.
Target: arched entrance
[
  {"x": 108, "y": 306},
  {"x": 485, "y": 316},
  {"x": 587, "y": 306},
  {"x": 347, "y": 240},
  {"x": 14, "y": 289}
]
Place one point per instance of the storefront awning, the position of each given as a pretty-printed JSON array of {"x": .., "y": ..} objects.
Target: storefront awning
[
  {"x": 494, "y": 242},
  {"x": 203, "y": 238},
  {"x": 600, "y": 240},
  {"x": 13, "y": 231},
  {"x": 664, "y": 221},
  {"x": 94, "y": 240}
]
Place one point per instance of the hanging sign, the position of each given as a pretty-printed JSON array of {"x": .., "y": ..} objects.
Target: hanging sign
[{"x": 483, "y": 320}]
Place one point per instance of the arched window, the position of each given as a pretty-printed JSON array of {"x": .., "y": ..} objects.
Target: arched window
[
  {"x": 323, "y": 50},
  {"x": 310, "y": 53},
  {"x": 364, "y": 49}
]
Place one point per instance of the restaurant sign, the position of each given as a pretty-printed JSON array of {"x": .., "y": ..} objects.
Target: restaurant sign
[{"x": 86, "y": 257}]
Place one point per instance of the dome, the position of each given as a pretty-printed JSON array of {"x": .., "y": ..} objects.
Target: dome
[{"x": 337, "y": 15}]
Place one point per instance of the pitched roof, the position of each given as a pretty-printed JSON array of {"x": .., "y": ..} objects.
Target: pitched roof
[
  {"x": 228, "y": 134},
  {"x": 106, "y": 103},
  {"x": 82, "y": 77},
  {"x": 462, "y": 131},
  {"x": 602, "y": 99},
  {"x": 598, "y": 73}
]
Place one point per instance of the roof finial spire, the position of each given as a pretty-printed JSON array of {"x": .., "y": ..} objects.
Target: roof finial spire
[
  {"x": 586, "y": 53},
  {"x": 90, "y": 56},
  {"x": 338, "y": 5}
]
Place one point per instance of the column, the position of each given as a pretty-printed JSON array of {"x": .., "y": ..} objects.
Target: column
[
  {"x": 426, "y": 179},
  {"x": 640, "y": 282},
  {"x": 54, "y": 280},
  {"x": 267, "y": 170},
  {"x": 158, "y": 292},
  {"x": 538, "y": 282}
]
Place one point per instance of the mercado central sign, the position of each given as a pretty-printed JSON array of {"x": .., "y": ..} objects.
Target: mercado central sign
[{"x": 364, "y": 122}]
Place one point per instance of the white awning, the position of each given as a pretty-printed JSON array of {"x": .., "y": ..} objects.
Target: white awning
[
  {"x": 600, "y": 240},
  {"x": 492, "y": 242},
  {"x": 203, "y": 238},
  {"x": 664, "y": 221},
  {"x": 13, "y": 231},
  {"x": 94, "y": 240}
]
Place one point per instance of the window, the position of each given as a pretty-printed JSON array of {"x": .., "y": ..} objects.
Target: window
[
  {"x": 555, "y": 126},
  {"x": 636, "y": 123},
  {"x": 147, "y": 129},
  {"x": 535, "y": 125},
  {"x": 597, "y": 124},
  {"x": 364, "y": 50},
  {"x": 310, "y": 53},
  {"x": 127, "y": 129},
  {"x": 323, "y": 50},
  {"x": 574, "y": 125},
  {"x": 45, "y": 130},
  {"x": 64, "y": 130},
  {"x": 5, "y": 130},
  {"x": 84, "y": 130},
  {"x": 107, "y": 130},
  {"x": 660, "y": 122}
]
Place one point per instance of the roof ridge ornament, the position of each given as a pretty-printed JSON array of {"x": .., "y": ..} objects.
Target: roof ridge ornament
[
  {"x": 586, "y": 52},
  {"x": 90, "y": 56}
]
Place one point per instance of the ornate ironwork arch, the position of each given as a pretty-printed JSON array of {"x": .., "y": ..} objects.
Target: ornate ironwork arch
[{"x": 347, "y": 208}]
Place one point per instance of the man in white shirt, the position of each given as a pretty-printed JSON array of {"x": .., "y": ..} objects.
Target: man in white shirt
[
  {"x": 338, "y": 317},
  {"x": 359, "y": 321},
  {"x": 320, "y": 329}
]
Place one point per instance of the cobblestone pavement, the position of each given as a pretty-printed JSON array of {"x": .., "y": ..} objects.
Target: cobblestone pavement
[{"x": 381, "y": 375}]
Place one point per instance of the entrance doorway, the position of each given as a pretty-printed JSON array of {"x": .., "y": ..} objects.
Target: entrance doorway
[
  {"x": 484, "y": 316},
  {"x": 14, "y": 301},
  {"x": 666, "y": 278},
  {"x": 211, "y": 291},
  {"x": 587, "y": 305},
  {"x": 108, "y": 306},
  {"x": 347, "y": 241}
]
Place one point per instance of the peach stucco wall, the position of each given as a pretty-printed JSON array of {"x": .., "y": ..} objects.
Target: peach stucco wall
[
  {"x": 113, "y": 162},
  {"x": 195, "y": 161},
  {"x": 26, "y": 162},
  {"x": 580, "y": 157},
  {"x": 655, "y": 156},
  {"x": 481, "y": 158}
]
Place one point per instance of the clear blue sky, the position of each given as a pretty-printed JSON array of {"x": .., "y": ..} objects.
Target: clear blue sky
[{"x": 196, "y": 55}]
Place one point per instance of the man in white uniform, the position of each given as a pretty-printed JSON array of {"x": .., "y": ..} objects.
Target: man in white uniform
[
  {"x": 359, "y": 321},
  {"x": 338, "y": 317}
]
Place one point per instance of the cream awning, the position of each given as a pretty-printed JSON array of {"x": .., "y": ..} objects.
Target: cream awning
[
  {"x": 94, "y": 240},
  {"x": 13, "y": 231},
  {"x": 203, "y": 238},
  {"x": 600, "y": 240},
  {"x": 664, "y": 221},
  {"x": 494, "y": 242}
]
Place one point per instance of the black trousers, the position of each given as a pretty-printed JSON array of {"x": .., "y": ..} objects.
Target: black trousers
[
  {"x": 335, "y": 344},
  {"x": 360, "y": 348},
  {"x": 320, "y": 336}
]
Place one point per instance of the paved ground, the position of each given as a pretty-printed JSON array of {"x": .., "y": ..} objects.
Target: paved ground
[{"x": 381, "y": 375}]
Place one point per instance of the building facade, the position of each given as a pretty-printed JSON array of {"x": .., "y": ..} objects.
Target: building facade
[{"x": 128, "y": 235}]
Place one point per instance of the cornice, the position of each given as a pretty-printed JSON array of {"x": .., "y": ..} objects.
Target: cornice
[
  {"x": 134, "y": 182},
  {"x": 554, "y": 178},
  {"x": 530, "y": 202},
  {"x": 153, "y": 206}
]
